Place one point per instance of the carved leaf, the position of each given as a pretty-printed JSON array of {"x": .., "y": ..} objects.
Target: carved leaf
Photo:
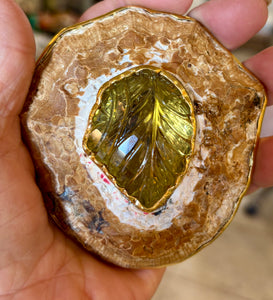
[{"x": 142, "y": 132}]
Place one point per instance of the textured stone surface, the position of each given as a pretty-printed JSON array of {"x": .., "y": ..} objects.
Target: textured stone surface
[{"x": 228, "y": 103}]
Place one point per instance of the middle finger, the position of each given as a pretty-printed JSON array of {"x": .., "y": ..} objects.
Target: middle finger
[{"x": 233, "y": 22}]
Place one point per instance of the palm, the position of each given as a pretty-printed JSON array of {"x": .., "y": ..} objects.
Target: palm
[{"x": 37, "y": 261}]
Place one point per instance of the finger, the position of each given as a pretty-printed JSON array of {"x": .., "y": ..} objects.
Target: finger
[
  {"x": 174, "y": 6},
  {"x": 233, "y": 22},
  {"x": 263, "y": 169},
  {"x": 261, "y": 65},
  {"x": 153, "y": 276},
  {"x": 267, "y": 126},
  {"x": 17, "y": 57},
  {"x": 22, "y": 211},
  {"x": 141, "y": 283},
  {"x": 17, "y": 60}
]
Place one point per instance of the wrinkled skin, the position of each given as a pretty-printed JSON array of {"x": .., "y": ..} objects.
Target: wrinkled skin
[{"x": 36, "y": 260}]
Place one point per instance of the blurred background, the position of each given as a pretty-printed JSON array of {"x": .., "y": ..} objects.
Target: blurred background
[
  {"x": 239, "y": 264},
  {"x": 47, "y": 17}
]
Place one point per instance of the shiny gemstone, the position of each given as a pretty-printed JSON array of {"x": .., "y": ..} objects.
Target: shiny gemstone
[{"x": 141, "y": 132}]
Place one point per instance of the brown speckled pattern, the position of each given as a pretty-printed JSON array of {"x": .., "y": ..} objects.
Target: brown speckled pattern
[{"x": 228, "y": 103}]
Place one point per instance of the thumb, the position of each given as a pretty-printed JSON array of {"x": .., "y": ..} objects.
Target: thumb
[
  {"x": 22, "y": 216},
  {"x": 17, "y": 60}
]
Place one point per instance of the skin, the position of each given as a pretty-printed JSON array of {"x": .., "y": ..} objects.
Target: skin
[{"x": 36, "y": 260}]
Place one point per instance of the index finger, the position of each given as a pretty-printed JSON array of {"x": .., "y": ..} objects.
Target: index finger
[
  {"x": 232, "y": 22},
  {"x": 173, "y": 6}
]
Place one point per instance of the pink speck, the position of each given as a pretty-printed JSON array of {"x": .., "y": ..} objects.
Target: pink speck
[
  {"x": 106, "y": 180},
  {"x": 101, "y": 176}
]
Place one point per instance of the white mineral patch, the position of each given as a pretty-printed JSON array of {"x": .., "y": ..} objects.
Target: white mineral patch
[
  {"x": 125, "y": 59},
  {"x": 115, "y": 201},
  {"x": 159, "y": 45}
]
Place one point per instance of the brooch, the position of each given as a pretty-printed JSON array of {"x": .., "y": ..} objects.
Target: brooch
[{"x": 142, "y": 128}]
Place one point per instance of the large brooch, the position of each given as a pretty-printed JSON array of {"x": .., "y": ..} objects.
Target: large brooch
[{"x": 142, "y": 128}]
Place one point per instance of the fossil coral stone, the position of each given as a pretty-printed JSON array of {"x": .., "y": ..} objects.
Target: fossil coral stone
[{"x": 142, "y": 128}]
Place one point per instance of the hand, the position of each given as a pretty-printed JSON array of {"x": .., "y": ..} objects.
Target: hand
[{"x": 36, "y": 260}]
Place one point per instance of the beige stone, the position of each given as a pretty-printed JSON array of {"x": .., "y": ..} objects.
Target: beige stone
[{"x": 228, "y": 104}]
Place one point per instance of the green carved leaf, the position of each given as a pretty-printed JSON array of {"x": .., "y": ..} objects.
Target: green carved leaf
[{"x": 142, "y": 133}]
